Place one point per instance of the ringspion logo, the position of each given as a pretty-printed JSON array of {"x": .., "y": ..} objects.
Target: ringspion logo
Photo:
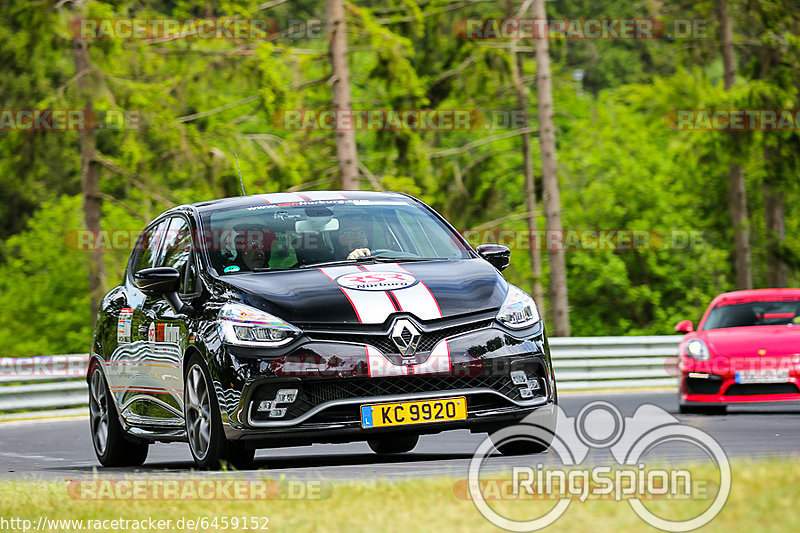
[{"x": 600, "y": 426}]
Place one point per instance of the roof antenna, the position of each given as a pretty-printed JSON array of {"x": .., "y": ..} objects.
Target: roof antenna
[{"x": 240, "y": 173}]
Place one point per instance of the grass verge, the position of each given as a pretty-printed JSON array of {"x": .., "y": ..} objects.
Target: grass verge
[{"x": 764, "y": 497}]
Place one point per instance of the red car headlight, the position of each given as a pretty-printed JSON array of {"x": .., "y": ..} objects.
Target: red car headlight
[{"x": 697, "y": 349}]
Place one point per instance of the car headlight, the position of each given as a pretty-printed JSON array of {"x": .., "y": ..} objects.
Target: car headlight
[
  {"x": 519, "y": 310},
  {"x": 243, "y": 325},
  {"x": 697, "y": 349}
]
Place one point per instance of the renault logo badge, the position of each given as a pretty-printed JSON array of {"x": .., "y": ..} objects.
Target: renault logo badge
[{"x": 406, "y": 337}]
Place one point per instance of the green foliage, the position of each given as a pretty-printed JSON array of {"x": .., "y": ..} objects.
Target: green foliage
[
  {"x": 200, "y": 101},
  {"x": 44, "y": 300}
]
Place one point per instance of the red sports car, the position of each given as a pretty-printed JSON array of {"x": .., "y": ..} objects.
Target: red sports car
[{"x": 746, "y": 349}]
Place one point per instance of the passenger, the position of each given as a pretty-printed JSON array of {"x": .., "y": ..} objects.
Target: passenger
[{"x": 252, "y": 246}]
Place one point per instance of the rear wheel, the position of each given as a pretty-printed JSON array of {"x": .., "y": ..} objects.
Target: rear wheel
[
  {"x": 392, "y": 445},
  {"x": 210, "y": 449},
  {"x": 112, "y": 445}
]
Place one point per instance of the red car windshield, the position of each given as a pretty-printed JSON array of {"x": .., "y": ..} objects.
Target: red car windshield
[{"x": 756, "y": 313}]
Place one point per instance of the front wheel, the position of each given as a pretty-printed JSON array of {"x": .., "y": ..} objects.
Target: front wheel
[
  {"x": 210, "y": 449},
  {"x": 687, "y": 409},
  {"x": 112, "y": 445},
  {"x": 392, "y": 445},
  {"x": 522, "y": 446},
  {"x": 532, "y": 434}
]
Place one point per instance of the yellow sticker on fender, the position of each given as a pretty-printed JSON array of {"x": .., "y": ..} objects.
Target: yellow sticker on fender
[{"x": 419, "y": 412}]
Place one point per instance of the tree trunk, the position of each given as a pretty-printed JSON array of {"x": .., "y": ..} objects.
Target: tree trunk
[
  {"x": 340, "y": 78},
  {"x": 530, "y": 184},
  {"x": 527, "y": 157},
  {"x": 736, "y": 182},
  {"x": 741, "y": 227},
  {"x": 777, "y": 270},
  {"x": 90, "y": 185},
  {"x": 552, "y": 198}
]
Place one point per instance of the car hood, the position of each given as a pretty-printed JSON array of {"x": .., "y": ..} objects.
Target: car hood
[
  {"x": 369, "y": 293},
  {"x": 744, "y": 341}
]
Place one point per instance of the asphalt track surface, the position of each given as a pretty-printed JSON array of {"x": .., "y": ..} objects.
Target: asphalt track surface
[{"x": 61, "y": 448}]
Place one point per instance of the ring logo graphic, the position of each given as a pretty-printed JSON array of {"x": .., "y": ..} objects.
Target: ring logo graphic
[
  {"x": 377, "y": 281},
  {"x": 600, "y": 425}
]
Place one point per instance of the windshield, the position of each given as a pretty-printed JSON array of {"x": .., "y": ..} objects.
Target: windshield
[
  {"x": 280, "y": 237},
  {"x": 761, "y": 313}
]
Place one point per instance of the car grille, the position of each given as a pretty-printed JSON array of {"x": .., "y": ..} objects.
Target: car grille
[
  {"x": 708, "y": 385},
  {"x": 322, "y": 391},
  {"x": 312, "y": 393},
  {"x": 384, "y": 343},
  {"x": 751, "y": 389}
]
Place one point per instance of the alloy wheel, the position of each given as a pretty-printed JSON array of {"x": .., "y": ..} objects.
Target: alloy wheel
[{"x": 198, "y": 411}]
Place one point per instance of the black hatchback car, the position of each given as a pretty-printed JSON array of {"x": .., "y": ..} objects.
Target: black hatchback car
[{"x": 289, "y": 319}]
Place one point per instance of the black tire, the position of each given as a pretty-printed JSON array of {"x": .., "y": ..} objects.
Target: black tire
[
  {"x": 520, "y": 446},
  {"x": 112, "y": 445},
  {"x": 527, "y": 442},
  {"x": 713, "y": 410},
  {"x": 393, "y": 445},
  {"x": 238, "y": 456}
]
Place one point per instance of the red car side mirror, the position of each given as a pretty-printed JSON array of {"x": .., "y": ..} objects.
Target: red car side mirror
[{"x": 684, "y": 326}]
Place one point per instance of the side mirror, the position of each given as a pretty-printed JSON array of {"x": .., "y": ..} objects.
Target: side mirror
[
  {"x": 497, "y": 255},
  {"x": 158, "y": 281},
  {"x": 684, "y": 326},
  {"x": 164, "y": 282}
]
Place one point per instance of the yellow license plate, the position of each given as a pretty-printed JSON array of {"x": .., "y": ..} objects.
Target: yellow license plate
[{"x": 419, "y": 412}]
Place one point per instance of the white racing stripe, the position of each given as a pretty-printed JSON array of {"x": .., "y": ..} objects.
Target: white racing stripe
[
  {"x": 380, "y": 367},
  {"x": 439, "y": 361},
  {"x": 281, "y": 197},
  {"x": 372, "y": 307},
  {"x": 417, "y": 299},
  {"x": 323, "y": 195},
  {"x": 307, "y": 196}
]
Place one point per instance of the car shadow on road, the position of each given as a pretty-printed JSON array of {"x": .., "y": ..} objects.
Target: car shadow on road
[{"x": 262, "y": 464}]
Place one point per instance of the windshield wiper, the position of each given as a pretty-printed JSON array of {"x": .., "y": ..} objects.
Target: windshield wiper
[
  {"x": 383, "y": 259},
  {"x": 371, "y": 258},
  {"x": 339, "y": 262}
]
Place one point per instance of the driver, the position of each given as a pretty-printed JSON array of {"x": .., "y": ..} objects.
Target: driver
[{"x": 353, "y": 237}]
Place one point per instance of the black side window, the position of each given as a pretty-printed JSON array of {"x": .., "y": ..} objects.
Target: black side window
[
  {"x": 177, "y": 252},
  {"x": 147, "y": 247}
]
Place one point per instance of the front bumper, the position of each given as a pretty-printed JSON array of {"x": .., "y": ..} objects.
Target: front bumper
[
  {"x": 334, "y": 374},
  {"x": 717, "y": 389}
]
